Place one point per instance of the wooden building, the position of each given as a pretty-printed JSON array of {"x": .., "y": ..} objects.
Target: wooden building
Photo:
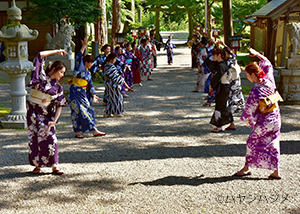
[
  {"x": 33, "y": 46},
  {"x": 268, "y": 31}
]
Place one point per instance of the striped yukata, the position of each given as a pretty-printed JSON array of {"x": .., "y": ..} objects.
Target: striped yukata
[{"x": 113, "y": 86}]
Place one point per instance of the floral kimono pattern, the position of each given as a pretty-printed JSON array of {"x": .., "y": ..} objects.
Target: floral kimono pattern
[
  {"x": 263, "y": 149},
  {"x": 43, "y": 148},
  {"x": 236, "y": 97},
  {"x": 82, "y": 112}
]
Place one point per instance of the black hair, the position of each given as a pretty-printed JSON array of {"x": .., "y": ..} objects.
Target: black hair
[
  {"x": 203, "y": 40},
  {"x": 117, "y": 48},
  {"x": 143, "y": 40},
  {"x": 104, "y": 47},
  {"x": 88, "y": 58},
  {"x": 111, "y": 56},
  {"x": 57, "y": 65}
]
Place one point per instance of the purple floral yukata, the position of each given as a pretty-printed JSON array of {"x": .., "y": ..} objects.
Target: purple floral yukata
[
  {"x": 43, "y": 149},
  {"x": 129, "y": 57},
  {"x": 263, "y": 148}
]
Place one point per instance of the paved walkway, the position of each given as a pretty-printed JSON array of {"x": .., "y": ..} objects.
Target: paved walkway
[{"x": 160, "y": 158}]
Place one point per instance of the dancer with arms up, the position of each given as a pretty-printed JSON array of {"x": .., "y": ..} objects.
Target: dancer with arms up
[
  {"x": 82, "y": 95},
  {"x": 263, "y": 149},
  {"x": 43, "y": 110}
]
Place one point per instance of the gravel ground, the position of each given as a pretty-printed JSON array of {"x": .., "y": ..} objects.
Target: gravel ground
[{"x": 160, "y": 158}]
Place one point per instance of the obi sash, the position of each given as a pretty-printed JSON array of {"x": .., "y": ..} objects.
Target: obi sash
[
  {"x": 270, "y": 103},
  {"x": 39, "y": 97},
  {"x": 129, "y": 61},
  {"x": 79, "y": 82}
]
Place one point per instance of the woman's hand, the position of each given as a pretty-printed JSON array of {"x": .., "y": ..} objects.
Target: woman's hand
[
  {"x": 255, "y": 53},
  {"x": 247, "y": 122},
  {"x": 210, "y": 88},
  {"x": 50, "y": 124},
  {"x": 95, "y": 99},
  {"x": 62, "y": 52}
]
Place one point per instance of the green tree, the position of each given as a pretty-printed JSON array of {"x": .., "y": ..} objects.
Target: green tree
[
  {"x": 75, "y": 12},
  {"x": 240, "y": 10}
]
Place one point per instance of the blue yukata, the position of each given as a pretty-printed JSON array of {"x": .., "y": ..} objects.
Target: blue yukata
[
  {"x": 98, "y": 65},
  {"x": 169, "y": 47},
  {"x": 82, "y": 112},
  {"x": 113, "y": 86}
]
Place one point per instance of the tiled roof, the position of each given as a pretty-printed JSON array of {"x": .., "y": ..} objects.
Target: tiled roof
[
  {"x": 275, "y": 8},
  {"x": 268, "y": 8}
]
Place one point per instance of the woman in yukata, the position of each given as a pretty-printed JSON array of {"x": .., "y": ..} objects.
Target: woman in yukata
[
  {"x": 121, "y": 66},
  {"x": 145, "y": 51},
  {"x": 98, "y": 65},
  {"x": 114, "y": 81},
  {"x": 263, "y": 149},
  {"x": 202, "y": 55},
  {"x": 169, "y": 47},
  {"x": 129, "y": 57},
  {"x": 221, "y": 82},
  {"x": 44, "y": 107},
  {"x": 136, "y": 64},
  {"x": 82, "y": 95}
]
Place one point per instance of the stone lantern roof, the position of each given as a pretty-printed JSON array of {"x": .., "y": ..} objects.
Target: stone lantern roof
[{"x": 14, "y": 31}]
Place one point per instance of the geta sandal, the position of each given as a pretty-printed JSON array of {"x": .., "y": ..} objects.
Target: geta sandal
[
  {"x": 79, "y": 136},
  {"x": 242, "y": 173},
  {"x": 100, "y": 134},
  {"x": 57, "y": 171},
  {"x": 36, "y": 171},
  {"x": 273, "y": 177},
  {"x": 216, "y": 130}
]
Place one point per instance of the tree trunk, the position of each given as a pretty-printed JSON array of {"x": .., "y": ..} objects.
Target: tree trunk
[
  {"x": 80, "y": 35},
  {"x": 191, "y": 24},
  {"x": 133, "y": 10},
  {"x": 103, "y": 25},
  {"x": 116, "y": 20},
  {"x": 227, "y": 21},
  {"x": 209, "y": 21}
]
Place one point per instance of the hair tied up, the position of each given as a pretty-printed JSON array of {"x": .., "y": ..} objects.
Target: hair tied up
[{"x": 261, "y": 74}]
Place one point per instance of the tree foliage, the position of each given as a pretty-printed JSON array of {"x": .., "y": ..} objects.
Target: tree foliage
[
  {"x": 240, "y": 10},
  {"x": 75, "y": 12}
]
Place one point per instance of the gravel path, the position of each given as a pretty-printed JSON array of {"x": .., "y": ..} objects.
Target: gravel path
[{"x": 160, "y": 158}]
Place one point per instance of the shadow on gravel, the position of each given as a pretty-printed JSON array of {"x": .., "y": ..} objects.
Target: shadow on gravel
[
  {"x": 193, "y": 181},
  {"x": 59, "y": 189}
]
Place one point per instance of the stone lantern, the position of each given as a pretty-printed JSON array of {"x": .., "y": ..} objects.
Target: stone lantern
[{"x": 15, "y": 37}]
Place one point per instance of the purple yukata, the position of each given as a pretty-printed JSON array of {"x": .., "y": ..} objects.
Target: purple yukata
[
  {"x": 263, "y": 149},
  {"x": 129, "y": 57},
  {"x": 43, "y": 149}
]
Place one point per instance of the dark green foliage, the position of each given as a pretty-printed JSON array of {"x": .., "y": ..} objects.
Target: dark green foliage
[{"x": 75, "y": 12}]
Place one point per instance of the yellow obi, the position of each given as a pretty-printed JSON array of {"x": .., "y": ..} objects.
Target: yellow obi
[
  {"x": 79, "y": 82},
  {"x": 270, "y": 103},
  {"x": 39, "y": 97}
]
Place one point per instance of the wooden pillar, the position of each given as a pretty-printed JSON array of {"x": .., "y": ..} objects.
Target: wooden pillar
[
  {"x": 284, "y": 40},
  {"x": 191, "y": 25},
  {"x": 227, "y": 21},
  {"x": 269, "y": 38},
  {"x": 273, "y": 43},
  {"x": 157, "y": 34}
]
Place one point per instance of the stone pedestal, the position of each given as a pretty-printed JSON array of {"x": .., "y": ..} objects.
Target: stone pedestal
[
  {"x": 16, "y": 36},
  {"x": 289, "y": 86}
]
